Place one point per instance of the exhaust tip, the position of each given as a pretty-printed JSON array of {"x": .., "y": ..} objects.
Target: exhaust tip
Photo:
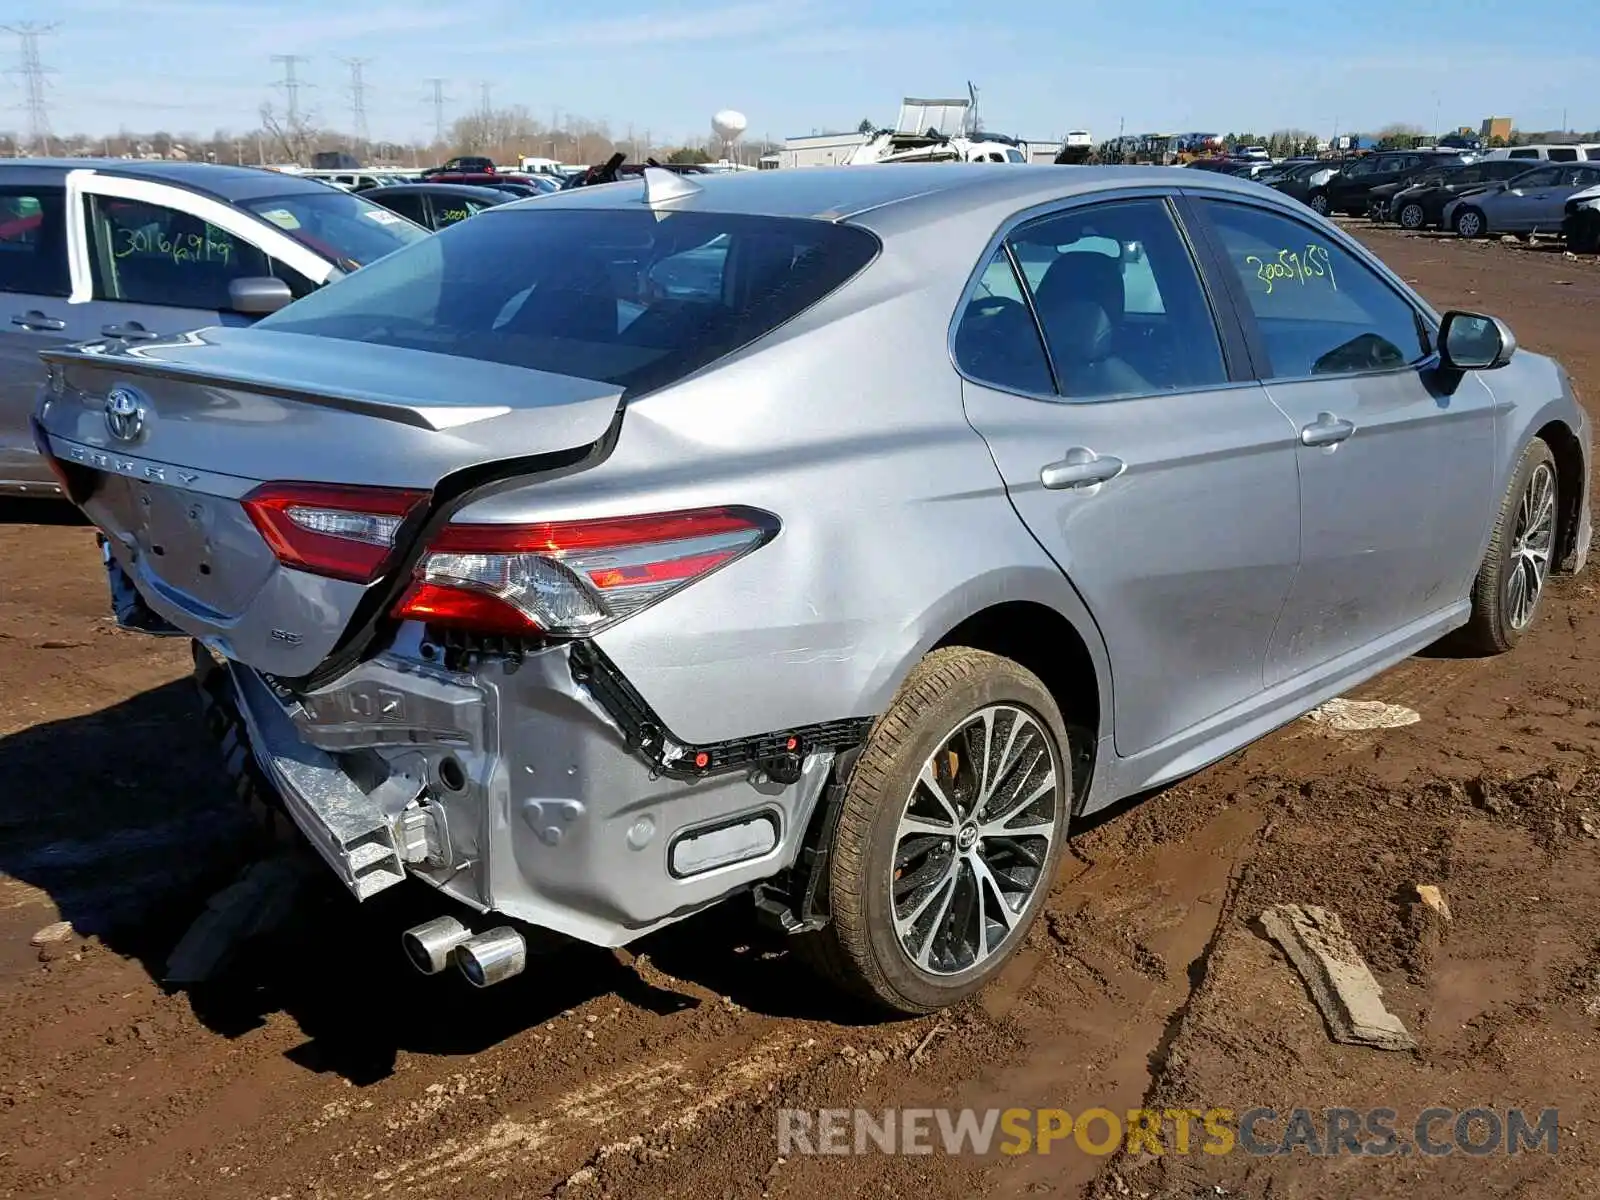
[
  {"x": 430, "y": 944},
  {"x": 492, "y": 957}
]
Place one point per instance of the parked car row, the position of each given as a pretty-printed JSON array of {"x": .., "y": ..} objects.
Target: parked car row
[{"x": 1545, "y": 189}]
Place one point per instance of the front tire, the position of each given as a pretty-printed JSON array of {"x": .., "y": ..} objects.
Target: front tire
[
  {"x": 1412, "y": 216},
  {"x": 1511, "y": 581},
  {"x": 1319, "y": 203},
  {"x": 950, "y": 833},
  {"x": 1469, "y": 223}
]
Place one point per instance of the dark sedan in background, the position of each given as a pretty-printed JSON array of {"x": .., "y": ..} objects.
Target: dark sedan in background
[
  {"x": 1306, "y": 182},
  {"x": 436, "y": 205},
  {"x": 1350, "y": 190},
  {"x": 1418, "y": 203}
]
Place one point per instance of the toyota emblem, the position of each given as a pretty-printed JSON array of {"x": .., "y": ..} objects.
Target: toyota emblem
[{"x": 124, "y": 414}]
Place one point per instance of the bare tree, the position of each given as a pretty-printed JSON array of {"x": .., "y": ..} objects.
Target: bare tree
[{"x": 293, "y": 137}]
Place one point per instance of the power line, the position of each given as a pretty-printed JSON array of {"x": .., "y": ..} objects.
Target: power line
[
  {"x": 358, "y": 97},
  {"x": 437, "y": 99},
  {"x": 291, "y": 84},
  {"x": 33, "y": 72}
]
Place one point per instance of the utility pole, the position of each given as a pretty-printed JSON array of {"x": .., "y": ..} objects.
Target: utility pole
[
  {"x": 291, "y": 85},
  {"x": 437, "y": 99},
  {"x": 33, "y": 73},
  {"x": 486, "y": 98},
  {"x": 358, "y": 99}
]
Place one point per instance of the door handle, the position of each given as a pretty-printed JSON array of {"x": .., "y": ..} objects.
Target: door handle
[
  {"x": 130, "y": 332},
  {"x": 1081, "y": 467},
  {"x": 1326, "y": 430},
  {"x": 34, "y": 319}
]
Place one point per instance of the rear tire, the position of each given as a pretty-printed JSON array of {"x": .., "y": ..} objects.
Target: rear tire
[
  {"x": 923, "y": 919},
  {"x": 1511, "y": 582}
]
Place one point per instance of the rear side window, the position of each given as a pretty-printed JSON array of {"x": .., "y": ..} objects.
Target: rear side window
[
  {"x": 623, "y": 296},
  {"x": 33, "y": 241},
  {"x": 1563, "y": 154}
]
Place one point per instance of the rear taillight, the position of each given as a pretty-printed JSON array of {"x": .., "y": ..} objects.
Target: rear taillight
[
  {"x": 571, "y": 578},
  {"x": 327, "y": 529}
]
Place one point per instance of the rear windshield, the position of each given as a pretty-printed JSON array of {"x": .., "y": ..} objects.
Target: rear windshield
[
  {"x": 345, "y": 229},
  {"x": 628, "y": 297}
]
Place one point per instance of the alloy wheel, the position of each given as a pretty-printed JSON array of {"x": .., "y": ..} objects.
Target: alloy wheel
[
  {"x": 974, "y": 838},
  {"x": 1319, "y": 205},
  {"x": 1533, "y": 536},
  {"x": 1411, "y": 216},
  {"x": 1469, "y": 224}
]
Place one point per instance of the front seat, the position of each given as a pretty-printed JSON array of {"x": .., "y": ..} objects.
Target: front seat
[{"x": 1081, "y": 304}]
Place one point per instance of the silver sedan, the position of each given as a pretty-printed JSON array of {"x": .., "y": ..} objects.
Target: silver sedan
[
  {"x": 1528, "y": 203},
  {"x": 831, "y": 537}
]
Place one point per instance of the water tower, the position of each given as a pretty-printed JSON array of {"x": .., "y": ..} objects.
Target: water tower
[{"x": 728, "y": 125}]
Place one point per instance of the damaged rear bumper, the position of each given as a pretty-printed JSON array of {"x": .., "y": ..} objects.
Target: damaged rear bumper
[{"x": 508, "y": 787}]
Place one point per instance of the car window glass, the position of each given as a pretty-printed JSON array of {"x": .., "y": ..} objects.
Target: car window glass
[
  {"x": 1320, "y": 310},
  {"x": 1524, "y": 154},
  {"x": 448, "y": 210},
  {"x": 590, "y": 292},
  {"x": 1543, "y": 177},
  {"x": 1465, "y": 175},
  {"x": 151, "y": 254},
  {"x": 1580, "y": 176},
  {"x": 1119, "y": 300},
  {"x": 1362, "y": 166},
  {"x": 407, "y": 204},
  {"x": 33, "y": 241},
  {"x": 1563, "y": 154},
  {"x": 997, "y": 341}
]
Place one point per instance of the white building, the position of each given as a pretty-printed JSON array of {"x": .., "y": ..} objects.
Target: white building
[{"x": 821, "y": 150}]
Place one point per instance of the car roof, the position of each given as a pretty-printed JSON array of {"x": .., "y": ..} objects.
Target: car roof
[
  {"x": 223, "y": 182},
  {"x": 847, "y": 193},
  {"x": 464, "y": 191}
]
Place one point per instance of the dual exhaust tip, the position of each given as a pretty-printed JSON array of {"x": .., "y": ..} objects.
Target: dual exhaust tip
[{"x": 484, "y": 958}]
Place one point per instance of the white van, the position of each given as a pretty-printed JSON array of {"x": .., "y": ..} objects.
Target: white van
[{"x": 1576, "y": 152}]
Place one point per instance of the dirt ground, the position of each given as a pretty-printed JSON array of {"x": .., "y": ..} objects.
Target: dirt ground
[{"x": 321, "y": 1065}]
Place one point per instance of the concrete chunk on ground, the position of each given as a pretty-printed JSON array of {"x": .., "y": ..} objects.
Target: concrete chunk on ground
[{"x": 1336, "y": 975}]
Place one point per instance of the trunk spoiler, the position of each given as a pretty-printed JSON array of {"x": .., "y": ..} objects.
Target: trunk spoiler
[{"x": 401, "y": 409}]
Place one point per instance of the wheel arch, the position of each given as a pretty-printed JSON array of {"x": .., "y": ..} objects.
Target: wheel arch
[
  {"x": 1571, "y": 475},
  {"x": 1036, "y": 617}
]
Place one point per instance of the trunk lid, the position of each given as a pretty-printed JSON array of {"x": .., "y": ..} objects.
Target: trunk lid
[{"x": 204, "y": 421}]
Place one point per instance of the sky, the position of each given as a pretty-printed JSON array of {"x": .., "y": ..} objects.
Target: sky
[{"x": 798, "y": 66}]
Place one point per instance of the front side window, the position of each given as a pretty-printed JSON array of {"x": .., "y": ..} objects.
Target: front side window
[
  {"x": 624, "y": 296},
  {"x": 1319, "y": 309},
  {"x": 1584, "y": 176},
  {"x": 33, "y": 241},
  {"x": 1119, "y": 301},
  {"x": 143, "y": 253},
  {"x": 1563, "y": 154}
]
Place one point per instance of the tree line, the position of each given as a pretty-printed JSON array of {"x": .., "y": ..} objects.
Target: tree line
[{"x": 504, "y": 134}]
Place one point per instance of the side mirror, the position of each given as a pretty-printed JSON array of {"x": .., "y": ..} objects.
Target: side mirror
[
  {"x": 258, "y": 296},
  {"x": 1470, "y": 342}
]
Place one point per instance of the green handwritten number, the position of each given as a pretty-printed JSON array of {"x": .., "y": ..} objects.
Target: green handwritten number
[
  {"x": 1261, "y": 271},
  {"x": 1289, "y": 265}
]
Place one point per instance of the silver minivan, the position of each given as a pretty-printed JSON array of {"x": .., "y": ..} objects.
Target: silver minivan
[{"x": 132, "y": 250}]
